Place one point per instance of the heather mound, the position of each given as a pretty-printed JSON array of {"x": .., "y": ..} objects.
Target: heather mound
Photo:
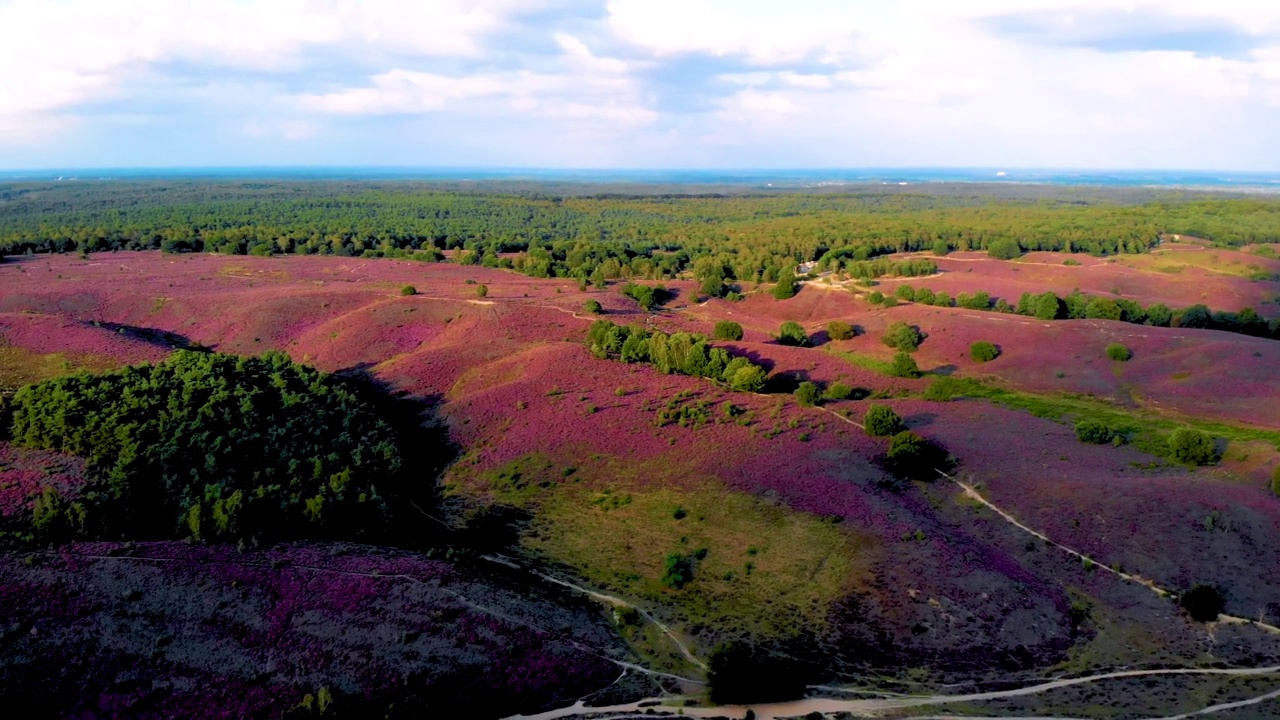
[
  {"x": 350, "y": 629},
  {"x": 1135, "y": 277},
  {"x": 36, "y": 347}
]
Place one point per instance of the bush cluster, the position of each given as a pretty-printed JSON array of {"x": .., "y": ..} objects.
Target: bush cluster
[
  {"x": 882, "y": 421},
  {"x": 683, "y": 353},
  {"x": 840, "y": 330},
  {"x": 1193, "y": 447},
  {"x": 1119, "y": 352}
]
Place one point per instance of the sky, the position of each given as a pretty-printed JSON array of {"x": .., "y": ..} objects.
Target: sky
[{"x": 611, "y": 84}]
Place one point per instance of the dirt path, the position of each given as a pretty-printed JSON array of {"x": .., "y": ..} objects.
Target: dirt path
[
  {"x": 825, "y": 706},
  {"x": 616, "y": 602}
]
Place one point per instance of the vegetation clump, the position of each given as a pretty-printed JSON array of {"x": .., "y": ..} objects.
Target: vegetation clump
[
  {"x": 1119, "y": 352},
  {"x": 837, "y": 391},
  {"x": 983, "y": 351},
  {"x": 840, "y": 330},
  {"x": 912, "y": 457},
  {"x": 728, "y": 330},
  {"x": 1193, "y": 447},
  {"x": 646, "y": 296},
  {"x": 902, "y": 336},
  {"x": 882, "y": 421},
  {"x": 786, "y": 286},
  {"x": 408, "y": 290},
  {"x": 808, "y": 394},
  {"x": 1203, "y": 603},
  {"x": 904, "y": 366},
  {"x": 1275, "y": 481},
  {"x": 592, "y": 307},
  {"x": 1094, "y": 432},
  {"x": 213, "y": 446},
  {"x": 792, "y": 333},
  {"x": 682, "y": 353}
]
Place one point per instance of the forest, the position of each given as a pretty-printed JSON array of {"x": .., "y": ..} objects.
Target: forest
[{"x": 595, "y": 238}]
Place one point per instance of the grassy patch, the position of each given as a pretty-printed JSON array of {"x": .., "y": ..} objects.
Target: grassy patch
[
  {"x": 20, "y": 367},
  {"x": 1147, "y": 430},
  {"x": 747, "y": 566},
  {"x": 884, "y": 367}
]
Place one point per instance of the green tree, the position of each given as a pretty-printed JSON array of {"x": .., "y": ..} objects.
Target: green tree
[
  {"x": 482, "y": 291},
  {"x": 728, "y": 330},
  {"x": 744, "y": 376},
  {"x": 792, "y": 333},
  {"x": 983, "y": 351},
  {"x": 905, "y": 292},
  {"x": 1159, "y": 316},
  {"x": 902, "y": 336},
  {"x": 912, "y": 457},
  {"x": 408, "y": 290},
  {"x": 1102, "y": 309},
  {"x": 941, "y": 247},
  {"x": 808, "y": 394},
  {"x": 1004, "y": 249},
  {"x": 882, "y": 421},
  {"x": 1049, "y": 307},
  {"x": 1193, "y": 447},
  {"x": 904, "y": 366},
  {"x": 840, "y": 391},
  {"x": 786, "y": 286},
  {"x": 839, "y": 330},
  {"x": 592, "y": 307}
]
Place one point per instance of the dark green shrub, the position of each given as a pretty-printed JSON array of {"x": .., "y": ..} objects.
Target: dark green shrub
[
  {"x": 941, "y": 247},
  {"x": 1094, "y": 432},
  {"x": 1190, "y": 446},
  {"x": 924, "y": 296},
  {"x": 1119, "y": 352},
  {"x": 911, "y": 457},
  {"x": 592, "y": 307},
  {"x": 942, "y": 299},
  {"x": 216, "y": 446},
  {"x": 1102, "y": 309},
  {"x": 808, "y": 394},
  {"x": 974, "y": 301},
  {"x": 728, "y": 330},
  {"x": 905, "y": 292},
  {"x": 1202, "y": 602},
  {"x": 876, "y": 297},
  {"x": 482, "y": 291},
  {"x": 1004, "y": 249},
  {"x": 677, "y": 571},
  {"x": 904, "y": 366},
  {"x": 791, "y": 333},
  {"x": 902, "y": 336},
  {"x": 408, "y": 290},
  {"x": 744, "y": 375},
  {"x": 787, "y": 286},
  {"x": 1049, "y": 307},
  {"x": 837, "y": 391},
  {"x": 839, "y": 330},
  {"x": 882, "y": 421},
  {"x": 983, "y": 351}
]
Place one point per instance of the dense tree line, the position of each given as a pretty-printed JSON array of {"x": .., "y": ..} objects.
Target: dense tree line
[
  {"x": 212, "y": 446},
  {"x": 722, "y": 239},
  {"x": 1078, "y": 305}
]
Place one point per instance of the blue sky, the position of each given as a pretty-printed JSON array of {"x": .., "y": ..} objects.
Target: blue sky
[{"x": 1185, "y": 84}]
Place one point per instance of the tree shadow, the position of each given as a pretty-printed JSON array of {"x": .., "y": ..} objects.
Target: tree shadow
[
  {"x": 425, "y": 451},
  {"x": 758, "y": 359},
  {"x": 819, "y": 338},
  {"x": 919, "y": 420},
  {"x": 152, "y": 336},
  {"x": 944, "y": 370},
  {"x": 785, "y": 382}
]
